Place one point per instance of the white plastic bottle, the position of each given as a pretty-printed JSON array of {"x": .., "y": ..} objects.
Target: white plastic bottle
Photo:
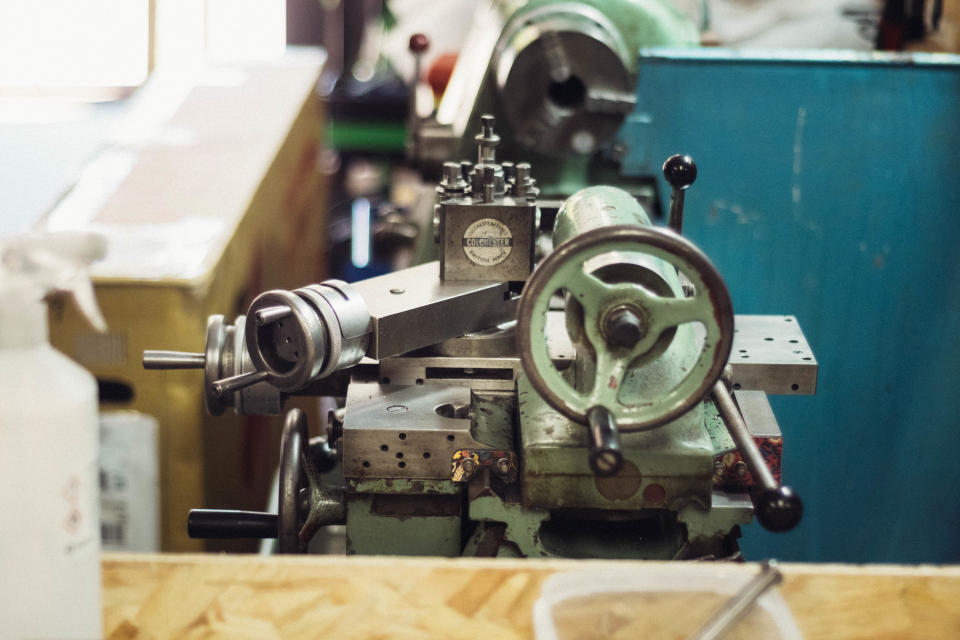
[{"x": 49, "y": 518}]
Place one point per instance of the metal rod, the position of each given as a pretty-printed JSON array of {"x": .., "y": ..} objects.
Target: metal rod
[
  {"x": 223, "y": 523},
  {"x": 417, "y": 45},
  {"x": 272, "y": 314},
  {"x": 236, "y": 383},
  {"x": 680, "y": 172},
  {"x": 737, "y": 607},
  {"x": 173, "y": 360},
  {"x": 742, "y": 437},
  {"x": 676, "y": 210}
]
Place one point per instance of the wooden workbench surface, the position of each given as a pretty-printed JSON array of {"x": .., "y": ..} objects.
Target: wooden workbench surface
[{"x": 197, "y": 596}]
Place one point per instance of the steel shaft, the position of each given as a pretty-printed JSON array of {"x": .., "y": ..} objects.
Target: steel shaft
[{"x": 173, "y": 360}]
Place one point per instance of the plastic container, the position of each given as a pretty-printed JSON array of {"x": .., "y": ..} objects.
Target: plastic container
[
  {"x": 50, "y": 528},
  {"x": 655, "y": 603}
]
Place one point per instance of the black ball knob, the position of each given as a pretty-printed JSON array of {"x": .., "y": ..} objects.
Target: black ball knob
[
  {"x": 680, "y": 171},
  {"x": 778, "y": 509},
  {"x": 419, "y": 43}
]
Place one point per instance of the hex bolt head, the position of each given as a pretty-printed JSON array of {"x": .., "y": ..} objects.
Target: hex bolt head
[{"x": 623, "y": 327}]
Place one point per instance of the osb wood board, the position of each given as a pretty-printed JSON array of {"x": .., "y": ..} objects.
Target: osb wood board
[{"x": 195, "y": 596}]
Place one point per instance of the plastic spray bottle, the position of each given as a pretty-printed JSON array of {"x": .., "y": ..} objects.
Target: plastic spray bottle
[{"x": 49, "y": 517}]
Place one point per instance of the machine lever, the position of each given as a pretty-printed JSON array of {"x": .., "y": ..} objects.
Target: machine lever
[
  {"x": 680, "y": 171},
  {"x": 236, "y": 383},
  {"x": 173, "y": 360},
  {"x": 418, "y": 45},
  {"x": 606, "y": 457},
  {"x": 229, "y": 523},
  {"x": 778, "y": 508},
  {"x": 272, "y": 314}
]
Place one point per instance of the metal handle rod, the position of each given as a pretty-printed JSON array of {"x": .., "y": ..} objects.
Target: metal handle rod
[
  {"x": 173, "y": 360},
  {"x": 676, "y": 210},
  {"x": 229, "y": 523},
  {"x": 235, "y": 383},
  {"x": 737, "y": 607},
  {"x": 742, "y": 438},
  {"x": 272, "y": 314},
  {"x": 680, "y": 172}
]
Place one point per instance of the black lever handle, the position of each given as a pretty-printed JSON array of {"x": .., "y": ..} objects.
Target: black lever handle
[
  {"x": 777, "y": 508},
  {"x": 229, "y": 523},
  {"x": 606, "y": 457},
  {"x": 680, "y": 171}
]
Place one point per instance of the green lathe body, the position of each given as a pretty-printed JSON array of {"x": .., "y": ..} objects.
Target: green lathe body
[
  {"x": 588, "y": 415},
  {"x": 658, "y": 506}
]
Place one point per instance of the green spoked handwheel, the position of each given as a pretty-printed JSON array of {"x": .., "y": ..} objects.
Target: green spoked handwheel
[{"x": 623, "y": 321}]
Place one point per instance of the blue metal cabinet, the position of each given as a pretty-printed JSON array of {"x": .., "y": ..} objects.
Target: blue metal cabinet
[{"x": 828, "y": 189}]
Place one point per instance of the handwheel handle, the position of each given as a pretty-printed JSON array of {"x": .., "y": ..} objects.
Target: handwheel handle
[
  {"x": 605, "y": 455},
  {"x": 231, "y": 524}
]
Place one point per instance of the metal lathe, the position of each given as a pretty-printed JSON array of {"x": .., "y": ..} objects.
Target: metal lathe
[{"x": 572, "y": 395}]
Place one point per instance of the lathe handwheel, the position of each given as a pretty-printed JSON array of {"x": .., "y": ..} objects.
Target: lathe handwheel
[
  {"x": 297, "y": 478},
  {"x": 305, "y": 505},
  {"x": 214, "y": 351},
  {"x": 649, "y": 313}
]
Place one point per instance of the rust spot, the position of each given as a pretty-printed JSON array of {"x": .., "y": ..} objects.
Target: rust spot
[
  {"x": 654, "y": 494},
  {"x": 613, "y": 382},
  {"x": 415, "y": 506}
]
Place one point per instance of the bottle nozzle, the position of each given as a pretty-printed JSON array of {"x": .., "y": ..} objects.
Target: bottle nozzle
[{"x": 57, "y": 262}]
